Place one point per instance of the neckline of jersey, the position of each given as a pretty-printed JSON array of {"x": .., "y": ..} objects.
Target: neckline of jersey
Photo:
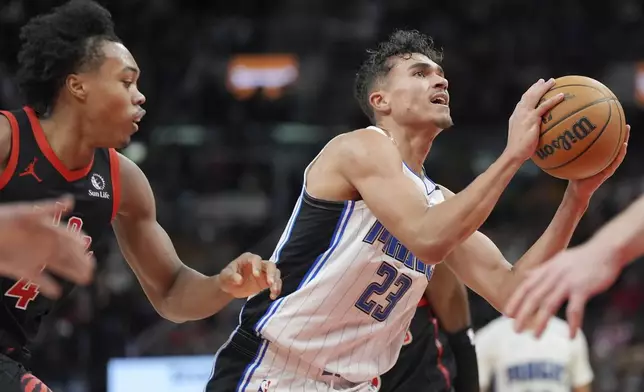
[{"x": 48, "y": 152}]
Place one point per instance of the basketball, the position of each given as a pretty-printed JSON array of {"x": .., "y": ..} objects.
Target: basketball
[{"x": 583, "y": 134}]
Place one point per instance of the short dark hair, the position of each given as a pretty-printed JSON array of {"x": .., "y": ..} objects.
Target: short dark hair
[
  {"x": 400, "y": 43},
  {"x": 58, "y": 44}
]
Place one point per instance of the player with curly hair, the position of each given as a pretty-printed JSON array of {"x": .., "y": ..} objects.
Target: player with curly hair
[{"x": 82, "y": 101}]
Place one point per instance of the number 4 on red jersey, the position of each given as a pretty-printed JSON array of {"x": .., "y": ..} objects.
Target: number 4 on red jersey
[{"x": 24, "y": 291}]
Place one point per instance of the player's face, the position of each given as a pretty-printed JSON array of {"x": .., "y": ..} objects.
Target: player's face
[
  {"x": 113, "y": 102},
  {"x": 416, "y": 92}
]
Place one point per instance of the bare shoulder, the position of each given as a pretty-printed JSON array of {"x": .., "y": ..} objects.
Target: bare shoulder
[
  {"x": 364, "y": 152},
  {"x": 136, "y": 196},
  {"x": 346, "y": 156},
  {"x": 364, "y": 145},
  {"x": 127, "y": 167},
  {"x": 5, "y": 140}
]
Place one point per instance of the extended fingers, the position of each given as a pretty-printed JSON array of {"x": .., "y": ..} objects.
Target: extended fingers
[
  {"x": 549, "y": 103},
  {"x": 534, "y": 94},
  {"x": 549, "y": 307},
  {"x": 575, "y": 313}
]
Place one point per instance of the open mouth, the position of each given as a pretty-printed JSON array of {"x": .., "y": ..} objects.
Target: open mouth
[{"x": 439, "y": 99}]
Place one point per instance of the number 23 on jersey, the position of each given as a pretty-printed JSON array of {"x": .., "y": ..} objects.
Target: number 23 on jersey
[
  {"x": 24, "y": 290},
  {"x": 401, "y": 283}
]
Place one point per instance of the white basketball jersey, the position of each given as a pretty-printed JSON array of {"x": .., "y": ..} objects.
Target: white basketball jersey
[
  {"x": 520, "y": 362},
  {"x": 350, "y": 289}
]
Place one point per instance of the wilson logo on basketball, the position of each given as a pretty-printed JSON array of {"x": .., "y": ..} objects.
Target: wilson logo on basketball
[{"x": 579, "y": 131}]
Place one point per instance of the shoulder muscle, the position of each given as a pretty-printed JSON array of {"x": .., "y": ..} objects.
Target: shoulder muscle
[
  {"x": 137, "y": 198},
  {"x": 344, "y": 158},
  {"x": 364, "y": 152}
]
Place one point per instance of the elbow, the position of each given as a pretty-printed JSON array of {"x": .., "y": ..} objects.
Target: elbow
[
  {"x": 165, "y": 310},
  {"x": 434, "y": 247},
  {"x": 433, "y": 255},
  {"x": 435, "y": 251},
  {"x": 166, "y": 300},
  {"x": 167, "y": 305}
]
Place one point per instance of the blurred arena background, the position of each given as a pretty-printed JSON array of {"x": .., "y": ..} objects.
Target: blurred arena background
[{"x": 242, "y": 94}]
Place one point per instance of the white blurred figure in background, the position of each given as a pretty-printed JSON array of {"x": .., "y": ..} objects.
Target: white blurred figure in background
[{"x": 519, "y": 362}]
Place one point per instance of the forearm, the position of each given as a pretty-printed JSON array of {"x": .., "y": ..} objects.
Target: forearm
[
  {"x": 465, "y": 212},
  {"x": 623, "y": 236},
  {"x": 193, "y": 296},
  {"x": 555, "y": 238},
  {"x": 454, "y": 314},
  {"x": 449, "y": 300},
  {"x": 450, "y": 305}
]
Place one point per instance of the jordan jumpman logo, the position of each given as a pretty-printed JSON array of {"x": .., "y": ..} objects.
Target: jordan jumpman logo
[{"x": 30, "y": 170}]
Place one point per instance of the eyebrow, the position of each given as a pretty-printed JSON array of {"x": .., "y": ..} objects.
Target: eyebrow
[
  {"x": 131, "y": 69},
  {"x": 424, "y": 66}
]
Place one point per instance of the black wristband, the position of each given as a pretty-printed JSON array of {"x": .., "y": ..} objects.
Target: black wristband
[{"x": 467, "y": 370}]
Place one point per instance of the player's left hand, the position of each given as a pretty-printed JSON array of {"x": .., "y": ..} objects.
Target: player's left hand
[
  {"x": 575, "y": 274},
  {"x": 248, "y": 275},
  {"x": 587, "y": 186}
]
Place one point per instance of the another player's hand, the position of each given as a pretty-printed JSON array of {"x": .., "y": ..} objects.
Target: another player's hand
[
  {"x": 30, "y": 245},
  {"x": 248, "y": 275},
  {"x": 575, "y": 275},
  {"x": 587, "y": 186},
  {"x": 525, "y": 121}
]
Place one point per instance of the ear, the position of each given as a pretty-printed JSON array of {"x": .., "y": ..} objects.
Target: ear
[
  {"x": 77, "y": 86},
  {"x": 379, "y": 102}
]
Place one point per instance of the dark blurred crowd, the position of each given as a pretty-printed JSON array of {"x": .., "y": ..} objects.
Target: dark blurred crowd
[{"x": 226, "y": 167}]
